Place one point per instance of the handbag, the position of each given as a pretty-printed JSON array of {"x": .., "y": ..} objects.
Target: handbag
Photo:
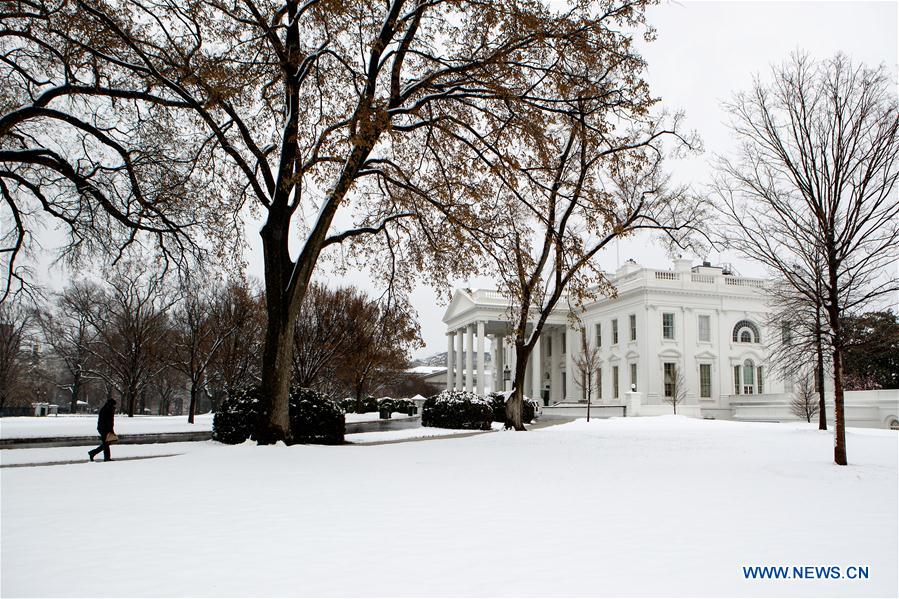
[{"x": 111, "y": 437}]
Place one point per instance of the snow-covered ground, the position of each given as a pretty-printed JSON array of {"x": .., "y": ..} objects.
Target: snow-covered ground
[
  {"x": 662, "y": 506},
  {"x": 85, "y": 425}
]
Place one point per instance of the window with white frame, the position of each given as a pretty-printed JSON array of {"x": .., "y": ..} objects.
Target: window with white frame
[
  {"x": 748, "y": 377},
  {"x": 746, "y": 331},
  {"x": 705, "y": 380},
  {"x": 614, "y": 331},
  {"x": 633, "y": 377},
  {"x": 633, "y": 323},
  {"x": 564, "y": 343},
  {"x": 669, "y": 370},
  {"x": 599, "y": 382},
  {"x": 598, "y": 334},
  {"x": 668, "y": 325},
  {"x": 705, "y": 327},
  {"x": 615, "y": 382}
]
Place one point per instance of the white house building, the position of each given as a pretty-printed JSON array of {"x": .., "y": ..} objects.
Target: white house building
[{"x": 700, "y": 320}]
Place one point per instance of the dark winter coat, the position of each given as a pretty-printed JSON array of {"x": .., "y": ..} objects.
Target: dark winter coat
[{"x": 106, "y": 418}]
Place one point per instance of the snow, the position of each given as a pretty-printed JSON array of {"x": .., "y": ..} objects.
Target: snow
[
  {"x": 86, "y": 425},
  {"x": 626, "y": 507},
  {"x": 421, "y": 432},
  {"x": 368, "y": 416}
]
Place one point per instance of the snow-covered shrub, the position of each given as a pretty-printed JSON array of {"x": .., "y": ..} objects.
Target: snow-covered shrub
[
  {"x": 403, "y": 405},
  {"x": 314, "y": 418},
  {"x": 457, "y": 409},
  {"x": 236, "y": 418},
  {"x": 347, "y": 404},
  {"x": 498, "y": 400},
  {"x": 367, "y": 404}
]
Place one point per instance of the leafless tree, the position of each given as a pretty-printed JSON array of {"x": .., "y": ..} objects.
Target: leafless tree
[
  {"x": 130, "y": 327},
  {"x": 199, "y": 329},
  {"x": 588, "y": 364},
  {"x": 804, "y": 403},
  {"x": 16, "y": 321},
  {"x": 815, "y": 182},
  {"x": 237, "y": 364},
  {"x": 798, "y": 344},
  {"x": 675, "y": 387},
  {"x": 66, "y": 329}
]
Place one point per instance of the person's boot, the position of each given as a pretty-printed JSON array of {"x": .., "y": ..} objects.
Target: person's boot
[{"x": 91, "y": 455}]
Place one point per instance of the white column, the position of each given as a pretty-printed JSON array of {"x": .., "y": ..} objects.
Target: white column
[
  {"x": 536, "y": 373},
  {"x": 513, "y": 364},
  {"x": 481, "y": 375},
  {"x": 459, "y": 359},
  {"x": 499, "y": 363},
  {"x": 450, "y": 360},
  {"x": 469, "y": 358},
  {"x": 572, "y": 391},
  {"x": 555, "y": 371}
]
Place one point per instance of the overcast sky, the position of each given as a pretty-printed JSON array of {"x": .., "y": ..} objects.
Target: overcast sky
[{"x": 705, "y": 51}]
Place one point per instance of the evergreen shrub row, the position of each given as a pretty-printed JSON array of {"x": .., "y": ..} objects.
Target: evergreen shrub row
[
  {"x": 314, "y": 418},
  {"x": 498, "y": 401},
  {"x": 457, "y": 409}
]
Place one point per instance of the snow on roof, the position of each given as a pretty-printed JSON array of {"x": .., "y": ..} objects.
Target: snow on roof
[{"x": 426, "y": 369}]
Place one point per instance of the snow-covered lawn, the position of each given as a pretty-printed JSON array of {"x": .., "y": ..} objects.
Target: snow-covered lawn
[
  {"x": 85, "y": 425},
  {"x": 639, "y": 506}
]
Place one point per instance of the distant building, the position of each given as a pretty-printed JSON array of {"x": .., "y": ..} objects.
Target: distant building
[{"x": 701, "y": 320}]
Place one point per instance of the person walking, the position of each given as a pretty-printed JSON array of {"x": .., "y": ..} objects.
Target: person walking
[{"x": 105, "y": 421}]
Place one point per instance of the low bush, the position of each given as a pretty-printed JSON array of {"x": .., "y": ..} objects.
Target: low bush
[
  {"x": 403, "y": 405},
  {"x": 498, "y": 401},
  {"x": 367, "y": 404},
  {"x": 457, "y": 410},
  {"x": 314, "y": 418},
  {"x": 236, "y": 417}
]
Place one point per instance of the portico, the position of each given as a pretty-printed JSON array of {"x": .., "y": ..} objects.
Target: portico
[{"x": 478, "y": 323}]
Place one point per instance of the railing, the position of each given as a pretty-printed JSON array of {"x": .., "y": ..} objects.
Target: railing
[
  {"x": 702, "y": 278},
  {"x": 665, "y": 275},
  {"x": 743, "y": 282}
]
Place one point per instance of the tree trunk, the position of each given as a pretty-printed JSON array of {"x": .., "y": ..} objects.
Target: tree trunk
[
  {"x": 76, "y": 389},
  {"x": 131, "y": 399},
  {"x": 192, "y": 408},
  {"x": 839, "y": 446},
  {"x": 819, "y": 348},
  {"x": 514, "y": 405},
  {"x": 276, "y": 370}
]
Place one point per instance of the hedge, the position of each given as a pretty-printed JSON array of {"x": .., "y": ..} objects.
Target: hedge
[
  {"x": 498, "y": 400},
  {"x": 314, "y": 418},
  {"x": 457, "y": 410}
]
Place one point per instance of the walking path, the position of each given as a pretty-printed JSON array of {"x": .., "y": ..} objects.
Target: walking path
[{"x": 86, "y": 461}]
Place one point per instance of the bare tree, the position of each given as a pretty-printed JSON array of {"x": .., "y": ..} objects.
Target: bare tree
[
  {"x": 382, "y": 336},
  {"x": 588, "y": 364},
  {"x": 15, "y": 363},
  {"x": 68, "y": 332},
  {"x": 237, "y": 364},
  {"x": 130, "y": 326},
  {"x": 815, "y": 182},
  {"x": 199, "y": 329},
  {"x": 798, "y": 345},
  {"x": 675, "y": 387},
  {"x": 804, "y": 403}
]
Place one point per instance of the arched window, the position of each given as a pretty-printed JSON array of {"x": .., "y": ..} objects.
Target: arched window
[
  {"x": 748, "y": 377},
  {"x": 746, "y": 331}
]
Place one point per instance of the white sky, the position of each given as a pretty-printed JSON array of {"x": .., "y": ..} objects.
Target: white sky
[{"x": 705, "y": 51}]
